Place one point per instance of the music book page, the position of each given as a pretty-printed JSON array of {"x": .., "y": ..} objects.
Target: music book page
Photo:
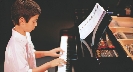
[{"x": 88, "y": 25}]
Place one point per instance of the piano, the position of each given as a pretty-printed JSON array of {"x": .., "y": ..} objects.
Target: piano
[{"x": 102, "y": 53}]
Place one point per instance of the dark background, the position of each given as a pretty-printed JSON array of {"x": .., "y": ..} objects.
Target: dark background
[{"x": 56, "y": 15}]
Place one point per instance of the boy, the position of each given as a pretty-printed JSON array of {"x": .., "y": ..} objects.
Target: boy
[{"x": 20, "y": 54}]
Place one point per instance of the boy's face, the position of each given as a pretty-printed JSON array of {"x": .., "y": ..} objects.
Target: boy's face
[{"x": 28, "y": 27}]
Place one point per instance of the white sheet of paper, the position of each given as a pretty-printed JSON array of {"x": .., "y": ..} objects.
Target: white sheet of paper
[
  {"x": 88, "y": 25},
  {"x": 63, "y": 46}
]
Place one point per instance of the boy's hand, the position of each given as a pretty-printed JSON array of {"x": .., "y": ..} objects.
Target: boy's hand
[
  {"x": 57, "y": 62},
  {"x": 54, "y": 53}
]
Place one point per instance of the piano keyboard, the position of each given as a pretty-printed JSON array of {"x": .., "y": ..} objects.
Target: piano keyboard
[{"x": 63, "y": 46}]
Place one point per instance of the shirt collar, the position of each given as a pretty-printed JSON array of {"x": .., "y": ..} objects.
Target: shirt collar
[{"x": 18, "y": 36}]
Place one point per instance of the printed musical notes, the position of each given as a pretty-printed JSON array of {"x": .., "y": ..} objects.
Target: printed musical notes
[{"x": 88, "y": 25}]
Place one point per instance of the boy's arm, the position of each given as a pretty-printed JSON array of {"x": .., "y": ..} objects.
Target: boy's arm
[
  {"x": 39, "y": 54},
  {"x": 46, "y": 66},
  {"x": 42, "y": 68},
  {"x": 52, "y": 53}
]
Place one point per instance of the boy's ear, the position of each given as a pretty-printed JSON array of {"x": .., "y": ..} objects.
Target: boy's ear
[{"x": 22, "y": 21}]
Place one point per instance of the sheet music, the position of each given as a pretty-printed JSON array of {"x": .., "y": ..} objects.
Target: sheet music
[
  {"x": 63, "y": 46},
  {"x": 88, "y": 25},
  {"x": 96, "y": 27}
]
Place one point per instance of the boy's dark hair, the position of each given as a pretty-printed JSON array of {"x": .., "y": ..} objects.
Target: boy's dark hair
[{"x": 25, "y": 9}]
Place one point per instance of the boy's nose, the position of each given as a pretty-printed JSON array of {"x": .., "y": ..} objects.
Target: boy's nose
[{"x": 35, "y": 24}]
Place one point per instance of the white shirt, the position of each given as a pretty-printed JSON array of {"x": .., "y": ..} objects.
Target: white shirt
[{"x": 19, "y": 54}]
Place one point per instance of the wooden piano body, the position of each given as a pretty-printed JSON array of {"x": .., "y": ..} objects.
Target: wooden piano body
[{"x": 126, "y": 28}]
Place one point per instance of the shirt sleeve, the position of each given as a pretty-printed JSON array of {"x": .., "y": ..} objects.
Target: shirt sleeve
[
  {"x": 29, "y": 40},
  {"x": 18, "y": 61}
]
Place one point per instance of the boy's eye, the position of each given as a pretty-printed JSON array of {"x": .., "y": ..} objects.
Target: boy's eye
[{"x": 34, "y": 21}]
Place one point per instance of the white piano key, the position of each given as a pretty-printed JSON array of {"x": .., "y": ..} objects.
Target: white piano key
[{"x": 63, "y": 46}]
